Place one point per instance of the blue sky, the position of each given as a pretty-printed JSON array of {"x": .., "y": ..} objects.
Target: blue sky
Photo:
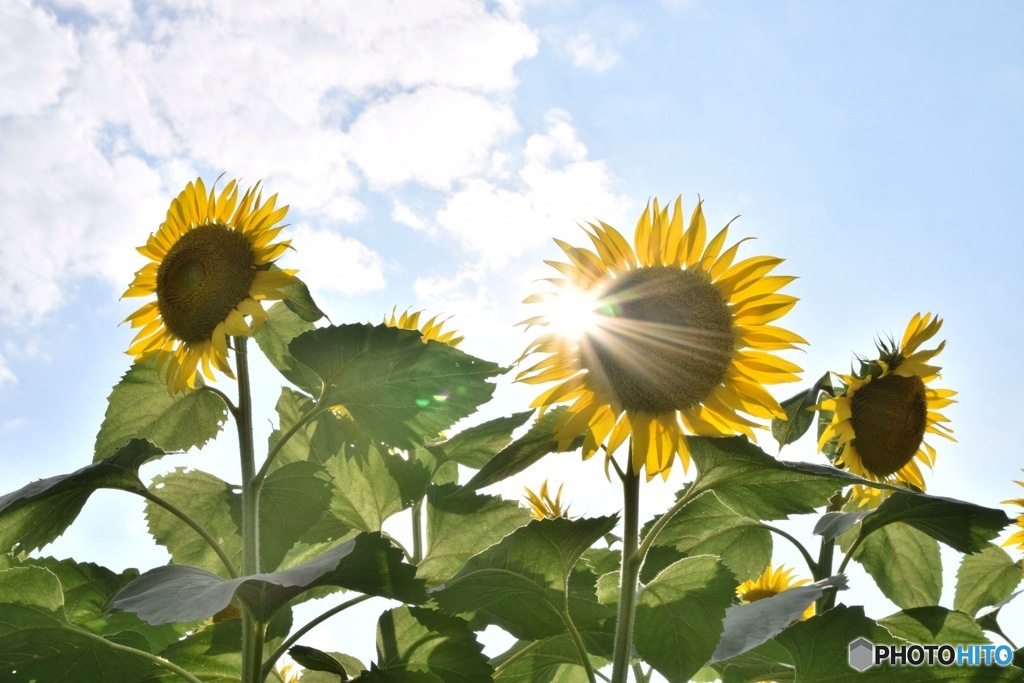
[{"x": 430, "y": 151}]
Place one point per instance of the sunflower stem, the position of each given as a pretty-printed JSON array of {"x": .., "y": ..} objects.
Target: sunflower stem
[
  {"x": 811, "y": 564},
  {"x": 629, "y": 575},
  {"x": 252, "y": 630},
  {"x": 826, "y": 554},
  {"x": 417, "y": 531}
]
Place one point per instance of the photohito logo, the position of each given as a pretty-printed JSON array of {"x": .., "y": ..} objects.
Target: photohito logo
[{"x": 864, "y": 654}]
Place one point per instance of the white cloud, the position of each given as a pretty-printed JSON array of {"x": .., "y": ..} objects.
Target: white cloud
[
  {"x": 38, "y": 56},
  {"x": 330, "y": 262},
  {"x": 402, "y": 213},
  {"x": 5, "y": 373},
  {"x": 556, "y": 187},
  {"x": 587, "y": 54}
]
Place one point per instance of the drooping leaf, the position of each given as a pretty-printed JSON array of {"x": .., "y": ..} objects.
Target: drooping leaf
[
  {"x": 757, "y": 485},
  {"x": 523, "y": 452},
  {"x": 474, "y": 447},
  {"x": 317, "y": 660},
  {"x": 798, "y": 413},
  {"x": 139, "y": 407},
  {"x": 747, "y": 626},
  {"x": 279, "y": 329},
  {"x": 461, "y": 524},
  {"x": 520, "y": 583},
  {"x": 213, "y": 503},
  {"x": 300, "y": 301},
  {"x": 960, "y": 525},
  {"x": 38, "y": 643},
  {"x": 832, "y": 524},
  {"x": 397, "y": 388},
  {"x": 552, "y": 660},
  {"x": 293, "y": 499},
  {"x": 707, "y": 526},
  {"x": 39, "y": 512},
  {"x": 986, "y": 578},
  {"x": 934, "y": 624},
  {"x": 679, "y": 615},
  {"x": 368, "y": 563},
  {"x": 905, "y": 564},
  {"x": 415, "y": 641}
]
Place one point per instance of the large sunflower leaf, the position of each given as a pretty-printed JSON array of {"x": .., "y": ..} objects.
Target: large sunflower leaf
[
  {"x": 767, "y": 662},
  {"x": 905, "y": 564},
  {"x": 139, "y": 407},
  {"x": 523, "y": 452},
  {"x": 747, "y": 626},
  {"x": 679, "y": 615},
  {"x": 963, "y": 526},
  {"x": 934, "y": 624},
  {"x": 552, "y": 660},
  {"x": 293, "y": 499},
  {"x": 707, "y": 526},
  {"x": 474, "y": 447},
  {"x": 370, "y": 488},
  {"x": 756, "y": 485},
  {"x": 397, "y": 388},
  {"x": 38, "y": 643},
  {"x": 368, "y": 563},
  {"x": 212, "y": 503},
  {"x": 520, "y": 584},
  {"x": 799, "y": 416},
  {"x": 461, "y": 524},
  {"x": 986, "y": 578},
  {"x": 277, "y": 332},
  {"x": 419, "y": 644},
  {"x": 39, "y": 512}
]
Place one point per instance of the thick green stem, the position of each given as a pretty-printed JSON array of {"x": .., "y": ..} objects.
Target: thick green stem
[
  {"x": 294, "y": 638},
  {"x": 252, "y": 641},
  {"x": 826, "y": 556},
  {"x": 811, "y": 564},
  {"x": 184, "y": 517},
  {"x": 417, "y": 531},
  {"x": 629, "y": 575},
  {"x": 160, "y": 661}
]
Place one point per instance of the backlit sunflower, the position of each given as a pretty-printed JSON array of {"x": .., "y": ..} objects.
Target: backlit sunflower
[
  {"x": 210, "y": 269},
  {"x": 881, "y": 417},
  {"x": 772, "y": 582},
  {"x": 1017, "y": 538},
  {"x": 666, "y": 337},
  {"x": 543, "y": 506}
]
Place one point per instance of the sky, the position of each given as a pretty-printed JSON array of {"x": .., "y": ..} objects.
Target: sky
[{"x": 431, "y": 151}]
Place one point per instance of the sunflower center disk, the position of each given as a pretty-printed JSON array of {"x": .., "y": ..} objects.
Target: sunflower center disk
[
  {"x": 889, "y": 417},
  {"x": 203, "y": 277},
  {"x": 663, "y": 341}
]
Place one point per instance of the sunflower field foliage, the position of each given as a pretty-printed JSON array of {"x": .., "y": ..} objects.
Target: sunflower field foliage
[{"x": 656, "y": 352}]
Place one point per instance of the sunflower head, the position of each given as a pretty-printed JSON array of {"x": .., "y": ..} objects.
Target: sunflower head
[
  {"x": 772, "y": 582},
  {"x": 660, "y": 338},
  {"x": 1017, "y": 538},
  {"x": 885, "y": 409},
  {"x": 543, "y": 506},
  {"x": 210, "y": 266}
]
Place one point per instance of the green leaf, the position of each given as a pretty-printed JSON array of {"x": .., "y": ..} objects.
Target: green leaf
[
  {"x": 757, "y": 485},
  {"x": 39, "y": 512},
  {"x": 38, "y": 643},
  {"x": 962, "y": 526},
  {"x": 213, "y": 503},
  {"x": 461, "y": 524},
  {"x": 798, "y": 413},
  {"x": 833, "y": 524},
  {"x": 369, "y": 489},
  {"x": 300, "y": 301},
  {"x": 905, "y": 564},
  {"x": 679, "y": 615},
  {"x": 767, "y": 662},
  {"x": 416, "y": 640},
  {"x": 747, "y": 626},
  {"x": 985, "y": 578},
  {"x": 293, "y": 499},
  {"x": 475, "y": 446},
  {"x": 520, "y": 584},
  {"x": 139, "y": 407},
  {"x": 989, "y": 618},
  {"x": 368, "y": 564},
  {"x": 551, "y": 660},
  {"x": 934, "y": 624},
  {"x": 279, "y": 329},
  {"x": 318, "y": 660},
  {"x": 707, "y": 526},
  {"x": 524, "y": 451},
  {"x": 397, "y": 388}
]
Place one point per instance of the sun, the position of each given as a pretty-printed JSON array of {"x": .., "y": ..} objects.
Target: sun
[
  {"x": 886, "y": 408},
  {"x": 660, "y": 338},
  {"x": 210, "y": 268}
]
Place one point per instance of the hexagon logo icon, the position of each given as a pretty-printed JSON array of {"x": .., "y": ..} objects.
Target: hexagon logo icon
[{"x": 862, "y": 654}]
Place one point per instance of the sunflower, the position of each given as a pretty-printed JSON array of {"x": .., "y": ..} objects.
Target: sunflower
[
  {"x": 772, "y": 582},
  {"x": 543, "y": 506},
  {"x": 1018, "y": 536},
  {"x": 210, "y": 268},
  {"x": 659, "y": 339},
  {"x": 882, "y": 415}
]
